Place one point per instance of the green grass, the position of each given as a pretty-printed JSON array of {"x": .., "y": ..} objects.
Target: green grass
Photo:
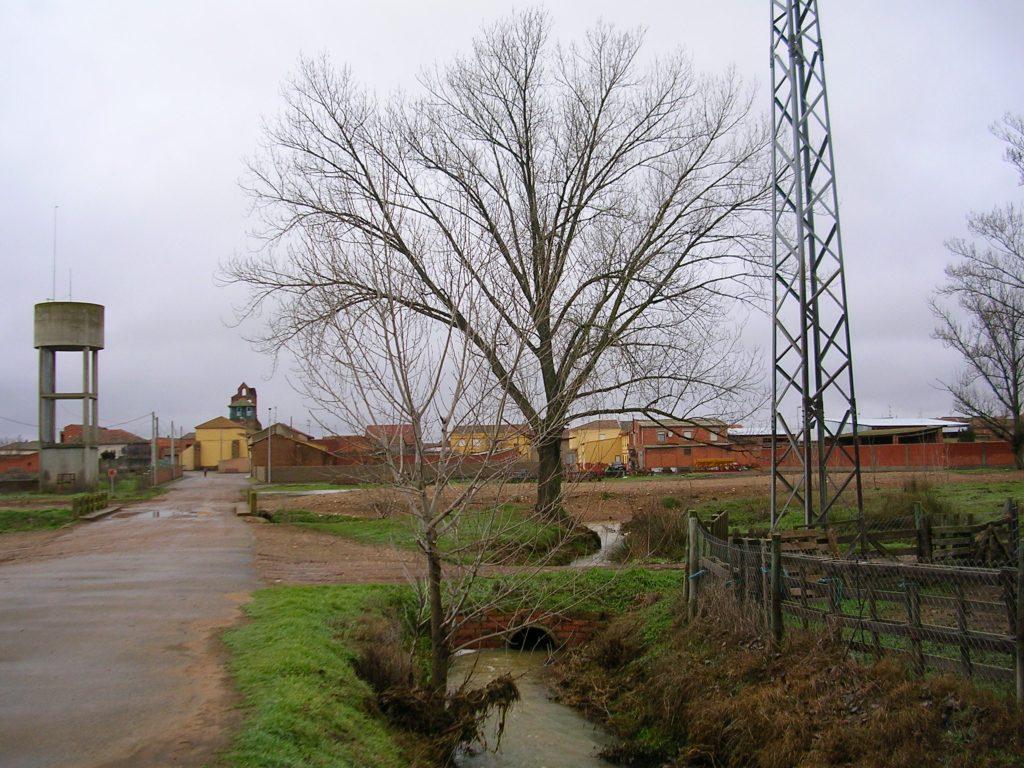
[
  {"x": 298, "y": 487},
  {"x": 982, "y": 499},
  {"x": 28, "y": 519},
  {"x": 396, "y": 532},
  {"x": 593, "y": 590},
  {"x": 292, "y": 662},
  {"x": 510, "y": 527},
  {"x": 304, "y": 706}
]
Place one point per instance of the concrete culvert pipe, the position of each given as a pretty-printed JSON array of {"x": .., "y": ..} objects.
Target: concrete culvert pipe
[{"x": 530, "y": 639}]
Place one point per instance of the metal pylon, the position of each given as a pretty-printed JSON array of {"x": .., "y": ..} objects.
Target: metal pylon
[{"x": 815, "y": 459}]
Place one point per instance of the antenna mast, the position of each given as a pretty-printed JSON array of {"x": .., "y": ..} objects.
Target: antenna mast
[
  {"x": 811, "y": 355},
  {"x": 53, "y": 287}
]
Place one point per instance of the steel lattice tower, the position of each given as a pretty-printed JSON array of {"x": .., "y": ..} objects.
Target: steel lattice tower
[{"x": 811, "y": 353}]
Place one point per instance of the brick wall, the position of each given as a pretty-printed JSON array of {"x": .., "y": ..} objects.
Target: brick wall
[
  {"x": 493, "y": 629},
  {"x": 27, "y": 463},
  {"x": 909, "y": 456}
]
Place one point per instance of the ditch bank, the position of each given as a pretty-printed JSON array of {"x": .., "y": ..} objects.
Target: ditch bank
[{"x": 713, "y": 693}]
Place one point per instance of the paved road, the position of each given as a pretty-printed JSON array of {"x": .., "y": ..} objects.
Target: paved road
[{"x": 109, "y": 650}]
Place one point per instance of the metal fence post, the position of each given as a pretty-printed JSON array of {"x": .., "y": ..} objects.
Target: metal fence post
[
  {"x": 692, "y": 567},
  {"x": 776, "y": 584}
]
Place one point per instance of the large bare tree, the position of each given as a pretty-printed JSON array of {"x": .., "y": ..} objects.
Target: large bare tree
[
  {"x": 604, "y": 208},
  {"x": 985, "y": 323},
  {"x": 385, "y": 370}
]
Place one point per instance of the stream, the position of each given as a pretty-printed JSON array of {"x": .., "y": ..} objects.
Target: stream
[
  {"x": 610, "y": 534},
  {"x": 539, "y": 732}
]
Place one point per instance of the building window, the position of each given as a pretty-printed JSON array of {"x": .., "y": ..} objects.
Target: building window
[
  {"x": 236, "y": 449},
  {"x": 688, "y": 434},
  {"x": 662, "y": 436},
  {"x": 712, "y": 437},
  {"x": 687, "y": 451}
]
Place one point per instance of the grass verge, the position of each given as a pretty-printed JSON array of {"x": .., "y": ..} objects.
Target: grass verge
[
  {"x": 293, "y": 663},
  {"x": 305, "y": 706},
  {"x": 12, "y": 520},
  {"x": 511, "y": 534},
  {"x": 712, "y": 693}
]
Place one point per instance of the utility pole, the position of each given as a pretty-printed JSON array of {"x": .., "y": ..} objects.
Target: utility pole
[
  {"x": 155, "y": 426},
  {"x": 270, "y": 433},
  {"x": 812, "y": 359},
  {"x": 172, "y": 450}
]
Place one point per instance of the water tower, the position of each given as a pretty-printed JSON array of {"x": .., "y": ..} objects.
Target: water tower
[{"x": 68, "y": 326}]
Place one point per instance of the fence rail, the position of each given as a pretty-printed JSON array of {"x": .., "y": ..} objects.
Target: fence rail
[{"x": 964, "y": 619}]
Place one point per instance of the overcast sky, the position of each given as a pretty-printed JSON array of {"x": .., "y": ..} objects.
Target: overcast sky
[{"x": 135, "y": 118}]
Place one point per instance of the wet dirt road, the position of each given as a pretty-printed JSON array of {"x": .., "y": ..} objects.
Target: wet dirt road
[{"x": 109, "y": 634}]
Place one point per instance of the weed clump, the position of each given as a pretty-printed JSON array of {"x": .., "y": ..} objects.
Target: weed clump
[
  {"x": 715, "y": 693},
  {"x": 658, "y": 532},
  {"x": 915, "y": 494},
  {"x": 443, "y": 720}
]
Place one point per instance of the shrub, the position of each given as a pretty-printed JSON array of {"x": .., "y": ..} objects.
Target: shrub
[
  {"x": 656, "y": 532},
  {"x": 915, "y": 493},
  {"x": 380, "y": 659}
]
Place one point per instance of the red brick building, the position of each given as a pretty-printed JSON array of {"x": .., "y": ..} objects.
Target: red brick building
[
  {"x": 671, "y": 443},
  {"x": 287, "y": 447}
]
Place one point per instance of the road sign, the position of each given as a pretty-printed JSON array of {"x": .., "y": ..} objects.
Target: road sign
[{"x": 111, "y": 473}]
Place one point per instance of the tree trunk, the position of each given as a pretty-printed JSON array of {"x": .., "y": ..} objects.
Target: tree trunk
[
  {"x": 1017, "y": 443},
  {"x": 439, "y": 653},
  {"x": 549, "y": 479}
]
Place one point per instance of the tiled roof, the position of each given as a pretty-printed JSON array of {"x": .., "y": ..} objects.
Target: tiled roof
[
  {"x": 72, "y": 433},
  {"x": 221, "y": 422}
]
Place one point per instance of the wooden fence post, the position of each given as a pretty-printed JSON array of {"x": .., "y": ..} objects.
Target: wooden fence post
[
  {"x": 1014, "y": 525},
  {"x": 1020, "y": 626},
  {"x": 924, "y": 537},
  {"x": 913, "y": 600},
  {"x": 776, "y": 583},
  {"x": 692, "y": 567},
  {"x": 253, "y": 503}
]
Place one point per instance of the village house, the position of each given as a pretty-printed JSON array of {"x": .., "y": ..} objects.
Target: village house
[
  {"x": 20, "y": 457},
  {"x": 672, "y": 444},
  {"x": 223, "y": 443},
  {"x": 505, "y": 439},
  {"x": 600, "y": 442},
  {"x": 112, "y": 443},
  {"x": 282, "y": 446}
]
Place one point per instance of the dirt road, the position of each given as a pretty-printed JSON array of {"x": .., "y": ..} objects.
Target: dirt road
[{"x": 109, "y": 634}]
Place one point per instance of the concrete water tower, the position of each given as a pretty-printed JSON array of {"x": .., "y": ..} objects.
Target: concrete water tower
[{"x": 68, "y": 326}]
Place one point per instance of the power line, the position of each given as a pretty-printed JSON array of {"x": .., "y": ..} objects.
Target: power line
[
  {"x": 15, "y": 421},
  {"x": 104, "y": 426},
  {"x": 127, "y": 421}
]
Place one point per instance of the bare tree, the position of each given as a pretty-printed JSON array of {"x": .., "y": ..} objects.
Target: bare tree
[
  {"x": 1011, "y": 130},
  {"x": 605, "y": 210},
  {"x": 986, "y": 324},
  {"x": 386, "y": 370}
]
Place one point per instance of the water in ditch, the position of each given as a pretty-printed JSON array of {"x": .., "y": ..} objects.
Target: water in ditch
[
  {"x": 539, "y": 732},
  {"x": 610, "y": 534}
]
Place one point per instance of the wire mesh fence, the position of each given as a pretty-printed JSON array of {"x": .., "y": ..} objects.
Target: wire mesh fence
[{"x": 940, "y": 614}]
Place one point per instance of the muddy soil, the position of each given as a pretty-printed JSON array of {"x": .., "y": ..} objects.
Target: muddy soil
[
  {"x": 109, "y": 633},
  {"x": 290, "y": 554}
]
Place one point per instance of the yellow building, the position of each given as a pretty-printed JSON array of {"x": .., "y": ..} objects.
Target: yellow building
[
  {"x": 599, "y": 442},
  {"x": 217, "y": 440},
  {"x": 480, "y": 438}
]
